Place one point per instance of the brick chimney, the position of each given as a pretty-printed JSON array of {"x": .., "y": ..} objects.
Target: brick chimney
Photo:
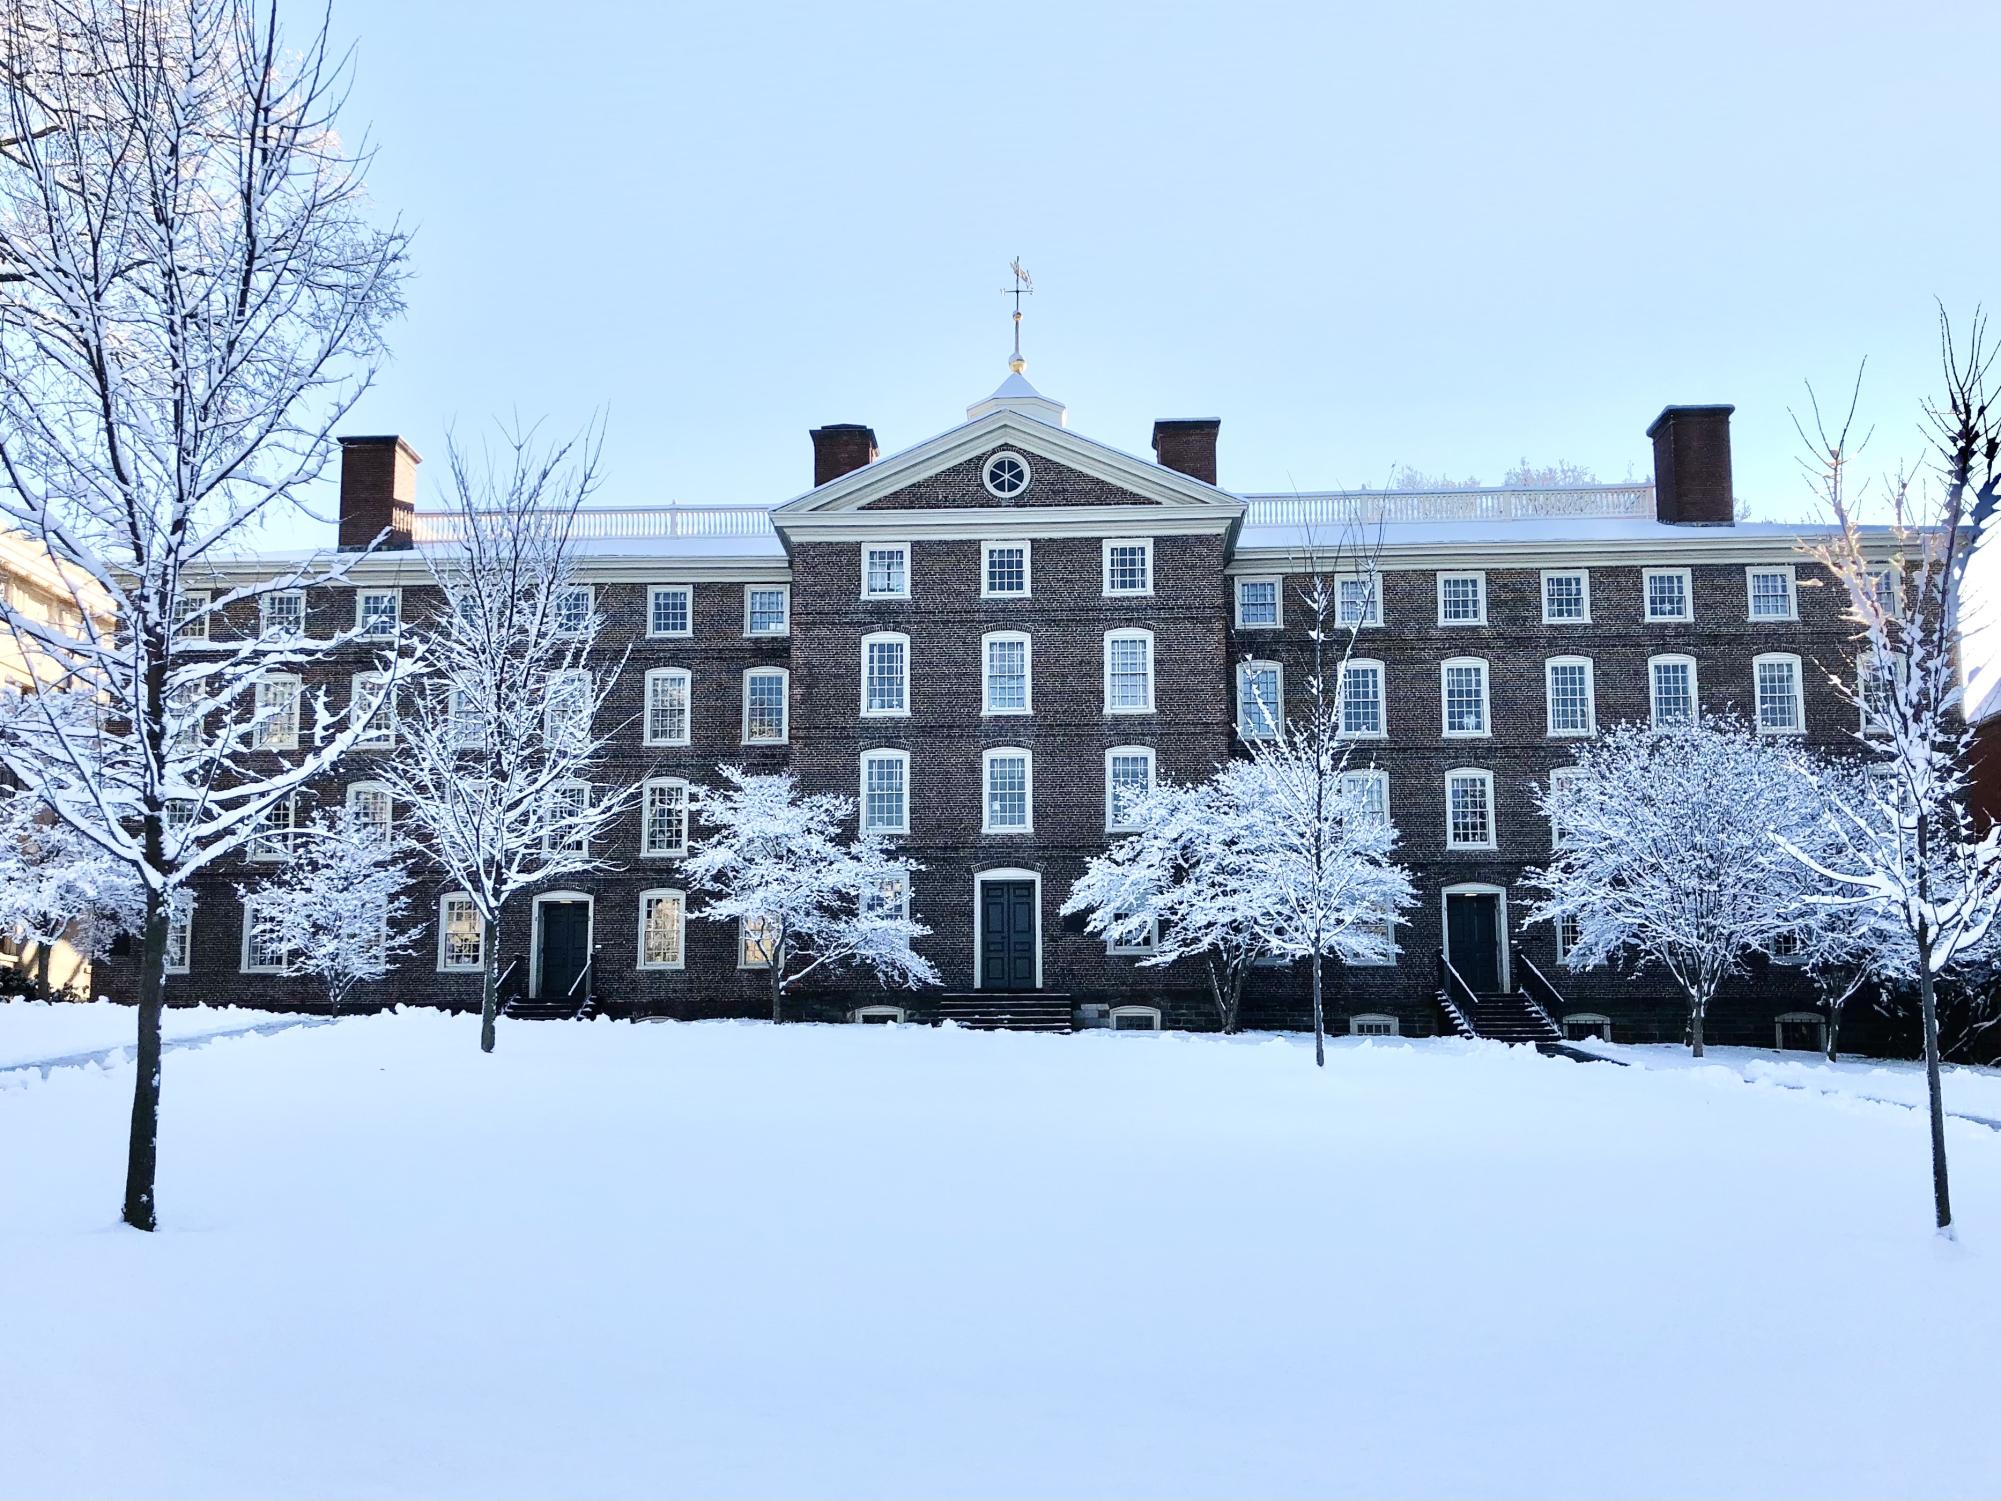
[
  {"x": 378, "y": 491},
  {"x": 1692, "y": 466},
  {"x": 1189, "y": 445},
  {"x": 841, "y": 448}
]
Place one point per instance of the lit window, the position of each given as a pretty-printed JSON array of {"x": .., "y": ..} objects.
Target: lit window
[
  {"x": 1004, "y": 570},
  {"x": 1572, "y": 710},
  {"x": 277, "y": 712},
  {"x": 764, "y": 706},
  {"x": 1667, "y": 594},
  {"x": 886, "y": 570},
  {"x": 566, "y": 707},
  {"x": 670, "y": 610},
  {"x": 767, "y": 609},
  {"x": 1469, "y": 810},
  {"x": 1463, "y": 687},
  {"x": 369, "y": 806},
  {"x": 1373, "y": 1024},
  {"x": 567, "y": 830},
  {"x": 1007, "y": 671},
  {"x": 1257, "y": 604},
  {"x": 667, "y": 706},
  {"x": 1771, "y": 592},
  {"x": 1129, "y": 567},
  {"x": 660, "y": 928},
  {"x": 1358, "y": 599},
  {"x": 273, "y": 837},
  {"x": 1361, "y": 700},
  {"x": 1128, "y": 778},
  {"x": 265, "y": 950},
  {"x": 1370, "y": 790},
  {"x": 886, "y": 674},
  {"x": 1671, "y": 682},
  {"x": 380, "y": 730},
  {"x": 1260, "y": 700},
  {"x": 888, "y": 898},
  {"x": 885, "y": 792},
  {"x": 757, "y": 942},
  {"x": 461, "y": 935},
  {"x": 1462, "y": 599},
  {"x": 190, "y": 615},
  {"x": 1005, "y": 475},
  {"x": 1008, "y": 779},
  {"x": 284, "y": 613},
  {"x": 1566, "y": 597},
  {"x": 1777, "y": 679},
  {"x": 378, "y": 612},
  {"x": 574, "y": 608},
  {"x": 663, "y": 818},
  {"x": 1129, "y": 672}
]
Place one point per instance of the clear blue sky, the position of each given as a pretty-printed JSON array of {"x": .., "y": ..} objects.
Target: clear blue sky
[{"x": 1362, "y": 236}]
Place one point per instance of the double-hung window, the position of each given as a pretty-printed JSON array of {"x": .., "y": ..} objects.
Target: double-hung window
[
  {"x": 886, "y": 674},
  {"x": 1358, "y": 599},
  {"x": 1562, "y": 779},
  {"x": 266, "y": 947},
  {"x": 1129, "y": 565},
  {"x": 461, "y": 934},
  {"x": 667, "y": 691},
  {"x": 1776, "y": 676},
  {"x": 1128, "y": 778},
  {"x": 765, "y": 714},
  {"x": 1875, "y": 691},
  {"x": 374, "y": 687},
  {"x": 283, "y": 613},
  {"x": 1360, "y": 700},
  {"x": 886, "y": 570},
  {"x": 1258, "y": 605},
  {"x": 1462, "y": 599},
  {"x": 566, "y": 706},
  {"x": 1260, "y": 700},
  {"x": 1671, "y": 688},
  {"x": 1369, "y": 788},
  {"x": 663, "y": 818},
  {"x": 670, "y": 610},
  {"x": 756, "y": 942},
  {"x": 466, "y": 718},
  {"x": 1566, "y": 596},
  {"x": 1668, "y": 596},
  {"x": 767, "y": 609},
  {"x": 565, "y": 829},
  {"x": 190, "y": 614},
  {"x": 378, "y": 613},
  {"x": 1005, "y": 686},
  {"x": 1004, "y": 570},
  {"x": 276, "y": 706},
  {"x": 1469, "y": 809},
  {"x": 661, "y": 919},
  {"x": 1572, "y": 703},
  {"x": 885, "y": 792},
  {"x": 574, "y": 609},
  {"x": 1769, "y": 592},
  {"x": 888, "y": 899},
  {"x": 369, "y": 806},
  {"x": 180, "y": 932},
  {"x": 1462, "y": 686},
  {"x": 1129, "y": 672},
  {"x": 273, "y": 837},
  {"x": 1009, "y": 775}
]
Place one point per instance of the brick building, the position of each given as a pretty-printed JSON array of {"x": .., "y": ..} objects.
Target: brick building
[{"x": 986, "y": 637}]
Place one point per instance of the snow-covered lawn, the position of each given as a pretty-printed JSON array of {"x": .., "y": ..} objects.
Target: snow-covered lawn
[
  {"x": 730, "y": 1259},
  {"x": 1968, "y": 1091},
  {"x": 31, "y": 1031}
]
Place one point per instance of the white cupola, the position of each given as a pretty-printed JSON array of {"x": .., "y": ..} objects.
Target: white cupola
[{"x": 1015, "y": 394}]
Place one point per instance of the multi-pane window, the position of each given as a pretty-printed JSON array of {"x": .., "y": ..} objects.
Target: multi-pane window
[
  {"x": 574, "y": 607},
  {"x": 756, "y": 942},
  {"x": 1569, "y": 931},
  {"x": 1129, "y": 567},
  {"x": 369, "y": 806},
  {"x": 1770, "y": 589},
  {"x": 1260, "y": 699},
  {"x": 265, "y": 951},
  {"x": 1462, "y": 599},
  {"x": 1361, "y": 700},
  {"x": 1469, "y": 810},
  {"x": 1008, "y": 776},
  {"x": 660, "y": 924},
  {"x": 663, "y": 818},
  {"x": 466, "y": 718},
  {"x": 1561, "y": 779},
  {"x": 1006, "y": 674},
  {"x": 1878, "y": 586},
  {"x": 1128, "y": 778},
  {"x": 1777, "y": 679},
  {"x": 767, "y": 609},
  {"x": 461, "y": 936},
  {"x": 1257, "y": 604},
  {"x": 1370, "y": 789},
  {"x": 1004, "y": 570},
  {"x": 670, "y": 610},
  {"x": 885, "y": 792},
  {"x": 180, "y": 932},
  {"x": 1373, "y": 1024},
  {"x": 1130, "y": 936},
  {"x": 565, "y": 830},
  {"x": 277, "y": 710},
  {"x": 1667, "y": 594},
  {"x": 566, "y": 706},
  {"x": 886, "y": 570},
  {"x": 764, "y": 706},
  {"x": 1463, "y": 689},
  {"x": 373, "y": 687},
  {"x": 1129, "y": 672},
  {"x": 667, "y": 706},
  {"x": 378, "y": 612},
  {"x": 1876, "y": 686},
  {"x": 283, "y": 614},
  {"x": 1566, "y": 596},
  {"x": 190, "y": 615},
  {"x": 1671, "y": 685},
  {"x": 888, "y": 898},
  {"x": 886, "y": 674},
  {"x": 1358, "y": 599},
  {"x": 273, "y": 837},
  {"x": 1571, "y": 707}
]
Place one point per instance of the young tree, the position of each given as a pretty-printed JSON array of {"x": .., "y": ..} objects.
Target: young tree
[
  {"x": 190, "y": 296},
  {"x": 501, "y": 757},
  {"x": 1903, "y": 835},
  {"x": 340, "y": 909},
  {"x": 773, "y": 859},
  {"x": 1666, "y": 851},
  {"x": 56, "y": 886}
]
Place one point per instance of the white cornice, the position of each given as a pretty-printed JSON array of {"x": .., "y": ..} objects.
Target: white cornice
[
  {"x": 408, "y": 568},
  {"x": 1475, "y": 551},
  {"x": 1014, "y": 521}
]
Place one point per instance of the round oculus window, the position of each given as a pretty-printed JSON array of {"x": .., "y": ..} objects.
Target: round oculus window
[{"x": 1005, "y": 475}]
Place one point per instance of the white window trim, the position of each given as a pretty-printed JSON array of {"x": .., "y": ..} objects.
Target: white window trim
[
  {"x": 1396, "y": 953},
  {"x": 868, "y": 593},
  {"x": 687, "y": 592},
  {"x": 1588, "y": 1019},
  {"x": 1559, "y": 774},
  {"x": 186, "y": 917},
  {"x": 987, "y": 759},
  {"x": 667, "y": 674},
  {"x": 987, "y": 549},
  {"x": 1792, "y": 660},
  {"x": 289, "y": 740},
  {"x": 585, "y": 700},
  {"x": 1341, "y": 730},
  {"x": 1152, "y": 781},
  {"x": 903, "y": 880},
  {"x": 364, "y": 786},
  {"x": 1374, "y": 1019},
  {"x": 1549, "y": 666},
  {"x": 1752, "y": 570},
  {"x": 549, "y": 844},
  {"x": 459, "y": 969},
  {"x": 590, "y": 594},
  {"x": 1486, "y": 730},
  {"x": 1126, "y": 948},
  {"x": 245, "y": 966},
  {"x": 1105, "y": 576},
  {"x": 192, "y": 621},
  {"x": 987, "y": 470},
  {"x": 871, "y": 639},
  {"x": 1694, "y": 686},
  {"x": 1479, "y": 577},
  {"x": 1245, "y": 671},
  {"x": 869, "y": 1013},
  {"x": 1647, "y": 597},
  {"x": 987, "y": 709},
  {"x": 1582, "y": 574},
  {"x": 1129, "y": 633},
  {"x": 1870, "y": 725},
  {"x": 1377, "y": 774},
  {"x": 264, "y": 608},
  {"x": 741, "y": 934},
  {"x": 1493, "y": 840},
  {"x": 886, "y": 753},
  {"x": 273, "y": 844},
  {"x": 784, "y": 736},
  {"x": 369, "y": 682},
  {"x": 687, "y": 816},
  {"x": 1797, "y": 1018},
  {"x": 681, "y": 948},
  {"x": 1277, "y": 582},
  {"x": 784, "y": 589},
  {"x": 1374, "y": 619},
  {"x": 1113, "y": 1016},
  {"x": 361, "y": 616}
]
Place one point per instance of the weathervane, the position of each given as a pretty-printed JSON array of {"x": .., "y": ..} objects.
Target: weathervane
[{"x": 1024, "y": 284}]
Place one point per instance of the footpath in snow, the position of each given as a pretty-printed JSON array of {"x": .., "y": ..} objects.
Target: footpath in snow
[
  {"x": 66, "y": 1032},
  {"x": 736, "y": 1260},
  {"x": 1974, "y": 1093}
]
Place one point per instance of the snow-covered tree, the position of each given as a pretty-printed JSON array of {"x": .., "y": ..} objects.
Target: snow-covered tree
[
  {"x": 1904, "y": 836},
  {"x": 1666, "y": 852},
  {"x": 340, "y": 909},
  {"x": 57, "y": 886},
  {"x": 500, "y": 761},
  {"x": 190, "y": 296},
  {"x": 773, "y": 861}
]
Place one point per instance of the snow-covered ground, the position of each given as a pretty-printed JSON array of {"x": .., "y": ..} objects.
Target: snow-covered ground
[
  {"x": 730, "y": 1259},
  {"x": 32, "y": 1031},
  {"x": 1967, "y": 1091}
]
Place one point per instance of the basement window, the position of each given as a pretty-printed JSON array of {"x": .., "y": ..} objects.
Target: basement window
[
  {"x": 879, "y": 1016},
  {"x": 1135, "y": 1019},
  {"x": 1373, "y": 1024},
  {"x": 1580, "y": 1025}
]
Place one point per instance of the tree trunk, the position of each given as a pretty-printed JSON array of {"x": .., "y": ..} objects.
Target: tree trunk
[
  {"x": 45, "y": 959},
  {"x": 777, "y": 995},
  {"x": 1233, "y": 1017},
  {"x": 1696, "y": 1007},
  {"x": 142, "y": 1154},
  {"x": 1834, "y": 1033},
  {"x": 1928, "y": 1004},
  {"x": 489, "y": 1005},
  {"x": 1319, "y": 1019}
]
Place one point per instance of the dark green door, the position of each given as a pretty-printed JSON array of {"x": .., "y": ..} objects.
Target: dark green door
[
  {"x": 566, "y": 939},
  {"x": 1473, "y": 938},
  {"x": 1007, "y": 935}
]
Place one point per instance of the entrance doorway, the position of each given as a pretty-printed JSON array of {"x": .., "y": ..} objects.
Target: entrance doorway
[
  {"x": 1473, "y": 931},
  {"x": 562, "y": 945},
  {"x": 1008, "y": 946}
]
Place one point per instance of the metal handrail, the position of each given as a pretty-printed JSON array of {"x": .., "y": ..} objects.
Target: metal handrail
[
  {"x": 500, "y": 985},
  {"x": 1549, "y": 989},
  {"x": 583, "y": 975},
  {"x": 1448, "y": 977}
]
